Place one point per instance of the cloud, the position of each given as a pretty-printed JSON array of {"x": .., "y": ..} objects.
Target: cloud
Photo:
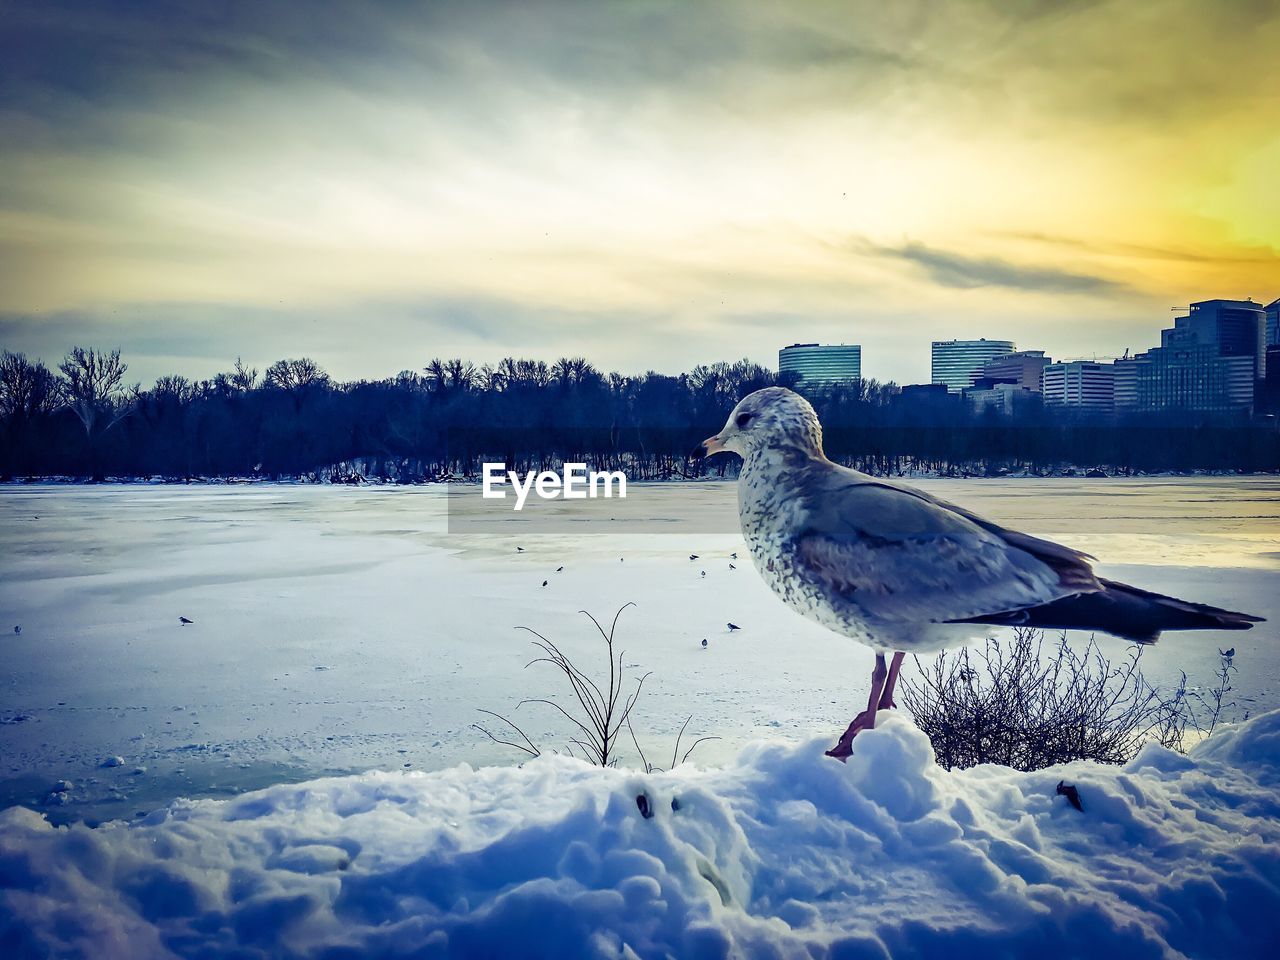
[
  {"x": 1236, "y": 254},
  {"x": 521, "y": 166},
  {"x": 959, "y": 271}
]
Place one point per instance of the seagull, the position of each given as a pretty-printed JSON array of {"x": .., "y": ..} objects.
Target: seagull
[
  {"x": 900, "y": 571},
  {"x": 733, "y": 556},
  {"x": 733, "y": 627},
  {"x": 184, "y": 620},
  {"x": 545, "y": 582},
  {"x": 519, "y": 549},
  {"x": 558, "y": 569},
  {"x": 732, "y": 567},
  {"x": 693, "y": 556},
  {"x": 704, "y": 641}
]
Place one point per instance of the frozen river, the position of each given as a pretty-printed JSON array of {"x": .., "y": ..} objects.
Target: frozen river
[{"x": 340, "y": 629}]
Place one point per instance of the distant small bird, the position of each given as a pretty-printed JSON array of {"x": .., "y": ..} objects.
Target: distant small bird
[
  {"x": 704, "y": 573},
  {"x": 704, "y": 641},
  {"x": 184, "y": 620},
  {"x": 733, "y": 627},
  {"x": 1071, "y": 793},
  {"x": 1229, "y": 653},
  {"x": 732, "y": 567},
  {"x": 693, "y": 556},
  {"x": 733, "y": 556},
  {"x": 545, "y": 582},
  {"x": 519, "y": 549},
  {"x": 558, "y": 569},
  {"x": 17, "y": 629}
]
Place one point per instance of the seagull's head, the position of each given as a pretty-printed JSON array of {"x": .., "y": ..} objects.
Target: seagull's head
[{"x": 772, "y": 418}]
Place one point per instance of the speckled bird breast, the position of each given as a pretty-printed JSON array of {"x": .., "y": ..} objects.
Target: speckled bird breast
[{"x": 771, "y": 511}]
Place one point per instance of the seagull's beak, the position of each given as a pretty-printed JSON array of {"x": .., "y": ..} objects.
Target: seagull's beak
[{"x": 708, "y": 447}]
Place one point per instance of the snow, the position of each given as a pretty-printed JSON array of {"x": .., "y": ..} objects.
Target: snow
[
  {"x": 340, "y": 629},
  {"x": 781, "y": 853},
  {"x": 350, "y": 635}
]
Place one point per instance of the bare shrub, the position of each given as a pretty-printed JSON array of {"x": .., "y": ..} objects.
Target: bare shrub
[
  {"x": 1022, "y": 706},
  {"x": 598, "y": 711},
  {"x": 1194, "y": 714}
]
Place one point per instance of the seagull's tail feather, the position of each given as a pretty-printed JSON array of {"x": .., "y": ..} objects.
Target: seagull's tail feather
[{"x": 1123, "y": 611}]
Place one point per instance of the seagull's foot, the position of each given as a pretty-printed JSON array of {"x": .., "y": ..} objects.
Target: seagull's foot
[{"x": 844, "y": 749}]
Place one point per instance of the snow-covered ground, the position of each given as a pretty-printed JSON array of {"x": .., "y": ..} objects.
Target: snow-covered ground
[
  {"x": 348, "y": 631},
  {"x": 342, "y": 629},
  {"x": 782, "y": 853}
]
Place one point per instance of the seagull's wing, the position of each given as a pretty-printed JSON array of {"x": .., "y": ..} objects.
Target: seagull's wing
[{"x": 899, "y": 555}]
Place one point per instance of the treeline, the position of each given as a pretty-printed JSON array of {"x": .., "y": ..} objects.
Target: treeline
[{"x": 293, "y": 420}]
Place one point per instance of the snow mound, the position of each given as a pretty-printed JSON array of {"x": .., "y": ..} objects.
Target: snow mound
[{"x": 785, "y": 853}]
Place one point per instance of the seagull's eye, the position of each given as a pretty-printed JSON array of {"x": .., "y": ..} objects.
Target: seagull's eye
[{"x": 743, "y": 419}]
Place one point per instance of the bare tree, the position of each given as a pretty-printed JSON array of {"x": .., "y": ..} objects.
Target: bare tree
[
  {"x": 27, "y": 389},
  {"x": 291, "y": 375},
  {"x": 93, "y": 385},
  {"x": 451, "y": 375},
  {"x": 571, "y": 371},
  {"x": 174, "y": 389},
  {"x": 295, "y": 377},
  {"x": 29, "y": 394},
  {"x": 244, "y": 378}
]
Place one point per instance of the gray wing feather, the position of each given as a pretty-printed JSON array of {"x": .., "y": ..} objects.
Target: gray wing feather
[
  {"x": 900, "y": 555},
  {"x": 1072, "y": 566}
]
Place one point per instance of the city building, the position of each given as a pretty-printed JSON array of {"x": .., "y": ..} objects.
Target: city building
[
  {"x": 1212, "y": 359},
  {"x": 1192, "y": 376},
  {"x": 1125, "y": 374},
  {"x": 1232, "y": 328},
  {"x": 1023, "y": 367},
  {"x": 1273, "y": 323},
  {"x": 1267, "y": 399},
  {"x": 989, "y": 393},
  {"x": 1086, "y": 384},
  {"x": 927, "y": 394},
  {"x": 821, "y": 363},
  {"x": 958, "y": 363}
]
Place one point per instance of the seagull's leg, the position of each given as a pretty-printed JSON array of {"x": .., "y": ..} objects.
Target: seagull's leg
[
  {"x": 886, "y": 698},
  {"x": 878, "y": 676},
  {"x": 867, "y": 719}
]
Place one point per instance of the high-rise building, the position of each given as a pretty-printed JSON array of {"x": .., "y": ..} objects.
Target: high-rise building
[
  {"x": 1087, "y": 384},
  {"x": 1233, "y": 328},
  {"x": 1125, "y": 374},
  {"x": 958, "y": 363},
  {"x": 821, "y": 363},
  {"x": 1024, "y": 368},
  {"x": 1192, "y": 376},
  {"x": 1211, "y": 359},
  {"x": 1267, "y": 399},
  {"x": 1273, "y": 323}
]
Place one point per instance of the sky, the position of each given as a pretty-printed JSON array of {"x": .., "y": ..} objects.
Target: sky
[{"x": 649, "y": 184}]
